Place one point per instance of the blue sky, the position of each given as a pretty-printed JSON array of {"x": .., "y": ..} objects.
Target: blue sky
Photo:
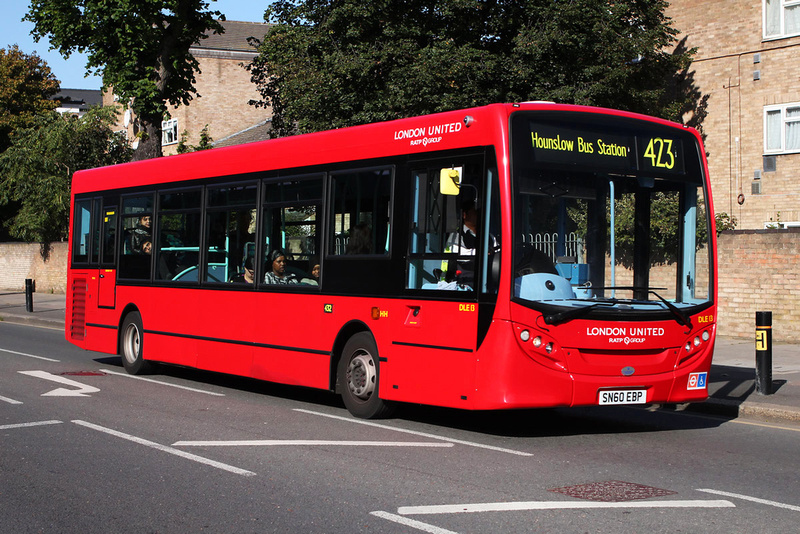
[{"x": 71, "y": 72}]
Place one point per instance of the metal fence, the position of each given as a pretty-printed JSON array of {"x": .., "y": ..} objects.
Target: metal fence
[{"x": 548, "y": 243}]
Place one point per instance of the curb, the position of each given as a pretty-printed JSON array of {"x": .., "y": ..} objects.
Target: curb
[
  {"x": 32, "y": 321},
  {"x": 733, "y": 409}
]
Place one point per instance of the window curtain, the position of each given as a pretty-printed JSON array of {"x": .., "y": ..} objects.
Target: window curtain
[
  {"x": 793, "y": 128},
  {"x": 773, "y": 127}
]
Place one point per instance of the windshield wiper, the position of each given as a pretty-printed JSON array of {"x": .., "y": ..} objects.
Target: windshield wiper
[
  {"x": 572, "y": 313},
  {"x": 679, "y": 316},
  {"x": 676, "y": 312}
]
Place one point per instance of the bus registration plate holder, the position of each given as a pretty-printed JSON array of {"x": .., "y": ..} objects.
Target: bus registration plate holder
[{"x": 623, "y": 396}]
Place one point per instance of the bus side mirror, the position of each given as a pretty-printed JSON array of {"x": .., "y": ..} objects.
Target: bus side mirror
[{"x": 450, "y": 181}]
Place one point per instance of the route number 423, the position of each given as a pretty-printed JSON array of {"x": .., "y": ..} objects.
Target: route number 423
[{"x": 659, "y": 151}]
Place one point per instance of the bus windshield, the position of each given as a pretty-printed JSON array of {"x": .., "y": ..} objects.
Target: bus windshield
[{"x": 609, "y": 217}]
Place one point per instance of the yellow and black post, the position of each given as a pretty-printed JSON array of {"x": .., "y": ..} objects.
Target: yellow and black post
[{"x": 764, "y": 352}]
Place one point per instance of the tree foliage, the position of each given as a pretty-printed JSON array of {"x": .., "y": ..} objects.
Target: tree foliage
[
  {"x": 328, "y": 64},
  {"x": 36, "y": 170},
  {"x": 140, "y": 47},
  {"x": 27, "y": 87},
  {"x": 206, "y": 142}
]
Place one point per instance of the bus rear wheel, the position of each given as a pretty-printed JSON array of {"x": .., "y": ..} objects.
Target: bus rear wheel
[
  {"x": 358, "y": 375},
  {"x": 131, "y": 346}
]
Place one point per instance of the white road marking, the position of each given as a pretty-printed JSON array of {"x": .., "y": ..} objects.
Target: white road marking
[
  {"x": 415, "y": 433},
  {"x": 10, "y": 401},
  {"x": 82, "y": 391},
  {"x": 126, "y": 375},
  {"x": 164, "y": 448},
  {"x": 305, "y": 442},
  {"x": 26, "y": 425},
  {"x": 30, "y": 355},
  {"x": 419, "y": 525},
  {"x": 554, "y": 505},
  {"x": 753, "y": 499}
]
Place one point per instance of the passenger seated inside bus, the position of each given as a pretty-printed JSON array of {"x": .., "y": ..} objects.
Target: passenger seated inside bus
[
  {"x": 313, "y": 279},
  {"x": 360, "y": 241},
  {"x": 276, "y": 269},
  {"x": 141, "y": 234},
  {"x": 248, "y": 275}
]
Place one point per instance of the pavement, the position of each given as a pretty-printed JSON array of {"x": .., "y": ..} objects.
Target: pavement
[{"x": 731, "y": 384}]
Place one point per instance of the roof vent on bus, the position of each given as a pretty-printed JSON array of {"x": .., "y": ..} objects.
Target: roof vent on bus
[{"x": 538, "y": 102}]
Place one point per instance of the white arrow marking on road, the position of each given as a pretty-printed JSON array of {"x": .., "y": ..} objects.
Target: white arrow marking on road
[
  {"x": 10, "y": 401},
  {"x": 82, "y": 391}
]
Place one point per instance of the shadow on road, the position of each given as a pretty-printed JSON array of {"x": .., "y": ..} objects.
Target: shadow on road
[{"x": 540, "y": 422}]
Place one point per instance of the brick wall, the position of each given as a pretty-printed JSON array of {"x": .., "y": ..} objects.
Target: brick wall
[
  {"x": 19, "y": 261},
  {"x": 758, "y": 272},
  {"x": 225, "y": 89}
]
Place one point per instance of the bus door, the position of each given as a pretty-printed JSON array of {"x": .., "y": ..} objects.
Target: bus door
[
  {"x": 448, "y": 250},
  {"x": 107, "y": 278}
]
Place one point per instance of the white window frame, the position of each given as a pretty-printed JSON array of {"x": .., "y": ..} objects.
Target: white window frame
[
  {"x": 781, "y": 6},
  {"x": 169, "y": 132},
  {"x": 785, "y": 121}
]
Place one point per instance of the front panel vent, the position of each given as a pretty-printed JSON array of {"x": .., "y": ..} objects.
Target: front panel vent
[{"x": 77, "y": 326}]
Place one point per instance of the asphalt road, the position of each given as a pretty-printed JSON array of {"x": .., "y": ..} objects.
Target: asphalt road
[{"x": 86, "y": 448}]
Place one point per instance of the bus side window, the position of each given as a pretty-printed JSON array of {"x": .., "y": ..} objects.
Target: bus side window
[
  {"x": 137, "y": 237},
  {"x": 361, "y": 211},
  {"x": 81, "y": 233},
  {"x": 440, "y": 252},
  {"x": 109, "y": 234},
  {"x": 230, "y": 232},
  {"x": 177, "y": 246},
  {"x": 291, "y": 219}
]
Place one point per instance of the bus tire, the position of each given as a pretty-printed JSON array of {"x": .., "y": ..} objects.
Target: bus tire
[
  {"x": 358, "y": 374},
  {"x": 130, "y": 346}
]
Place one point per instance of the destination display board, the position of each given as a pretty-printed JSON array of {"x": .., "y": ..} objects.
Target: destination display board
[{"x": 608, "y": 151}]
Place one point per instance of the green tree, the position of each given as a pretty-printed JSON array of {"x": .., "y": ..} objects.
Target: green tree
[
  {"x": 36, "y": 170},
  {"x": 206, "y": 142},
  {"x": 141, "y": 49},
  {"x": 27, "y": 88},
  {"x": 328, "y": 64}
]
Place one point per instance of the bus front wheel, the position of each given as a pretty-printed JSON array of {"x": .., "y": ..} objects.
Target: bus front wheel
[
  {"x": 358, "y": 374},
  {"x": 131, "y": 345}
]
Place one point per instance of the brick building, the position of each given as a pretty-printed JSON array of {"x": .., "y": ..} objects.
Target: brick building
[
  {"x": 224, "y": 89},
  {"x": 748, "y": 54}
]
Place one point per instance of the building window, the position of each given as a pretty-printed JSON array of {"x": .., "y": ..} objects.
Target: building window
[
  {"x": 781, "y": 18},
  {"x": 169, "y": 132},
  {"x": 782, "y": 128}
]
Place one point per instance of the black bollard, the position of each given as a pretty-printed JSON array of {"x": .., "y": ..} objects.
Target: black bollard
[
  {"x": 29, "y": 295},
  {"x": 764, "y": 353}
]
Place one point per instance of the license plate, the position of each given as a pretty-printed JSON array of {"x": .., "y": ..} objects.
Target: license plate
[{"x": 623, "y": 396}]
